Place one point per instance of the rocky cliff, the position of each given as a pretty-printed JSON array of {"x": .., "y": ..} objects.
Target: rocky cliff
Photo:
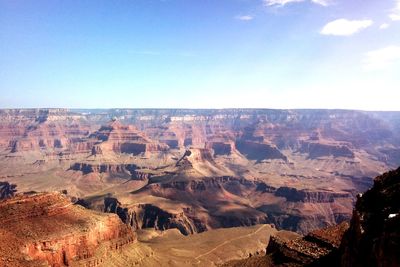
[
  {"x": 126, "y": 139},
  {"x": 295, "y": 195},
  {"x": 47, "y": 230},
  {"x": 373, "y": 238},
  {"x": 140, "y": 216},
  {"x": 315, "y": 150}
]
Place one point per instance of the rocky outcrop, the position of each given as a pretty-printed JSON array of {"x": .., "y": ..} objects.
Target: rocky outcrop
[
  {"x": 7, "y": 190},
  {"x": 126, "y": 139},
  {"x": 140, "y": 216},
  {"x": 86, "y": 168},
  {"x": 221, "y": 148},
  {"x": 259, "y": 151},
  {"x": 209, "y": 183},
  {"x": 316, "y": 150},
  {"x": 47, "y": 229},
  {"x": 129, "y": 170},
  {"x": 112, "y": 169},
  {"x": 373, "y": 238},
  {"x": 149, "y": 216},
  {"x": 318, "y": 248},
  {"x": 295, "y": 195},
  {"x": 83, "y": 146}
]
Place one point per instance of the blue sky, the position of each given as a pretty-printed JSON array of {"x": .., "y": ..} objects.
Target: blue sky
[{"x": 200, "y": 54}]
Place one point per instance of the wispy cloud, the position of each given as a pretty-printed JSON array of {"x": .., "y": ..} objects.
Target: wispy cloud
[
  {"x": 322, "y": 2},
  {"x": 382, "y": 58},
  {"x": 395, "y": 13},
  {"x": 344, "y": 27},
  {"x": 244, "y": 17},
  {"x": 284, "y": 2},
  {"x": 384, "y": 26}
]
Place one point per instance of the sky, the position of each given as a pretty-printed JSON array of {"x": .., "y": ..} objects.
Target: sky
[{"x": 200, "y": 54}]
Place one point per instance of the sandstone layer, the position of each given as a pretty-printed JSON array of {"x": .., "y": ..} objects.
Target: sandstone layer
[{"x": 48, "y": 230}]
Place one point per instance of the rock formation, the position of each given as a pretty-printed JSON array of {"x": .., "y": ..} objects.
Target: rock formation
[
  {"x": 315, "y": 150},
  {"x": 140, "y": 216},
  {"x": 46, "y": 229},
  {"x": 318, "y": 248},
  {"x": 120, "y": 138},
  {"x": 294, "y": 195},
  {"x": 373, "y": 238},
  {"x": 259, "y": 151}
]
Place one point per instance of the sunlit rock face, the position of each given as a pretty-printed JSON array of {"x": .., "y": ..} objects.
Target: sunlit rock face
[{"x": 47, "y": 229}]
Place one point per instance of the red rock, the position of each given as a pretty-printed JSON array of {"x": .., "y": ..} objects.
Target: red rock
[{"x": 48, "y": 228}]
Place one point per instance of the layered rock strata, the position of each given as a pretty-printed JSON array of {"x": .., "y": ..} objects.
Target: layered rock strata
[{"x": 48, "y": 230}]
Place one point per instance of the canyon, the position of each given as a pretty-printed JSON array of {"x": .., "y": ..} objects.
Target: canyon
[{"x": 187, "y": 173}]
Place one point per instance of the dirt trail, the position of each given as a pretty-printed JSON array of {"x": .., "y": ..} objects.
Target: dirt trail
[{"x": 230, "y": 240}]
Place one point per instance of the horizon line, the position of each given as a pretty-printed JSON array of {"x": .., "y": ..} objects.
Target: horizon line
[{"x": 184, "y": 108}]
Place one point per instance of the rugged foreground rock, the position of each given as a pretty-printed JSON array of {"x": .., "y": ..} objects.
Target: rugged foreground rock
[
  {"x": 374, "y": 235},
  {"x": 318, "y": 248},
  {"x": 48, "y": 230},
  {"x": 371, "y": 239}
]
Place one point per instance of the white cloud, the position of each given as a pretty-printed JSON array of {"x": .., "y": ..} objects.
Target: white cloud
[
  {"x": 384, "y": 26},
  {"x": 395, "y": 15},
  {"x": 284, "y": 2},
  {"x": 245, "y": 17},
  {"x": 280, "y": 2},
  {"x": 382, "y": 58},
  {"x": 322, "y": 2},
  {"x": 344, "y": 27}
]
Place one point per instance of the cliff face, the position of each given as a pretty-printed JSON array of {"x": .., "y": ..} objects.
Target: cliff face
[
  {"x": 374, "y": 235},
  {"x": 315, "y": 150},
  {"x": 140, "y": 216},
  {"x": 47, "y": 229},
  {"x": 294, "y": 195},
  {"x": 259, "y": 151},
  {"x": 118, "y": 138},
  {"x": 149, "y": 216}
]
